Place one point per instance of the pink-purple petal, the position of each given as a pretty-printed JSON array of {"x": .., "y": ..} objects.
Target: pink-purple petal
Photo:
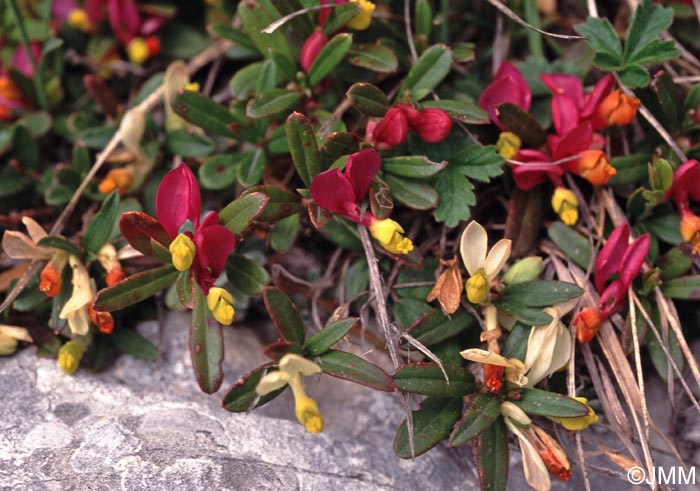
[
  {"x": 178, "y": 199},
  {"x": 361, "y": 169},
  {"x": 610, "y": 256}
]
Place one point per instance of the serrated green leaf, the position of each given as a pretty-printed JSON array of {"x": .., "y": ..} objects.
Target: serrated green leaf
[
  {"x": 100, "y": 227},
  {"x": 480, "y": 163},
  {"x": 202, "y": 111},
  {"x": 323, "y": 340},
  {"x": 284, "y": 315},
  {"x": 602, "y": 37},
  {"x": 536, "y": 402},
  {"x": 241, "y": 212},
  {"x": 246, "y": 276},
  {"x": 206, "y": 346},
  {"x": 456, "y": 196},
  {"x": 135, "y": 288},
  {"x": 432, "y": 423},
  {"x": 353, "y": 368},
  {"x": 634, "y": 76},
  {"x": 648, "y": 22},
  {"x": 483, "y": 412},
  {"x": 427, "y": 379},
  {"x": 430, "y": 69}
]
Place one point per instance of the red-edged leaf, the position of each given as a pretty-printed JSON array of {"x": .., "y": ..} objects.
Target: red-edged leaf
[
  {"x": 276, "y": 350},
  {"x": 241, "y": 396},
  {"x": 350, "y": 367},
  {"x": 138, "y": 229},
  {"x": 206, "y": 346},
  {"x": 610, "y": 256},
  {"x": 284, "y": 314},
  {"x": 178, "y": 199}
]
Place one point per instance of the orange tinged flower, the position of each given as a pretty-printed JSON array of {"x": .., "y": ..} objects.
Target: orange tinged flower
[
  {"x": 690, "y": 229},
  {"x": 616, "y": 109},
  {"x": 103, "y": 320},
  {"x": 114, "y": 276},
  {"x": 50, "y": 282},
  {"x": 587, "y": 323},
  {"x": 119, "y": 179},
  {"x": 448, "y": 287},
  {"x": 595, "y": 167},
  {"x": 10, "y": 98},
  {"x": 551, "y": 454},
  {"x": 493, "y": 377}
]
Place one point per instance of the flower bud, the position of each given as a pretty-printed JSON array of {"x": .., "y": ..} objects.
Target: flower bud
[
  {"x": 153, "y": 45},
  {"x": 391, "y": 131},
  {"x": 79, "y": 20},
  {"x": 137, "y": 51},
  {"x": 117, "y": 179},
  {"x": 50, "y": 281},
  {"x": 69, "y": 356},
  {"x": 103, "y": 320},
  {"x": 389, "y": 234},
  {"x": 527, "y": 269},
  {"x": 220, "y": 302},
  {"x": 493, "y": 377},
  {"x": 311, "y": 48},
  {"x": 8, "y": 345},
  {"x": 587, "y": 323},
  {"x": 616, "y": 109},
  {"x": 362, "y": 20},
  {"x": 508, "y": 144},
  {"x": 565, "y": 204},
  {"x": 594, "y": 167},
  {"x": 10, "y": 98},
  {"x": 183, "y": 252},
  {"x": 432, "y": 125},
  {"x": 114, "y": 276},
  {"x": 690, "y": 229},
  {"x": 308, "y": 414},
  {"x": 478, "y": 287}
]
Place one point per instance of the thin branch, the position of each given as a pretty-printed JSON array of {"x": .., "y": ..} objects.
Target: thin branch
[
  {"x": 409, "y": 34},
  {"x": 512, "y": 15}
]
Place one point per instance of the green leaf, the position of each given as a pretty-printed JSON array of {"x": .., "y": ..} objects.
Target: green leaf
[
  {"x": 368, "y": 99},
  {"x": 246, "y": 276},
  {"x": 353, "y": 368},
  {"x": 374, "y": 57},
  {"x": 135, "y": 288},
  {"x": 251, "y": 167},
  {"x": 206, "y": 345},
  {"x": 541, "y": 293},
  {"x": 466, "y": 112},
  {"x": 574, "y": 245},
  {"x": 336, "y": 145},
  {"x": 132, "y": 343},
  {"x": 202, "y": 111},
  {"x": 631, "y": 169},
  {"x": 432, "y": 66},
  {"x": 435, "y": 327},
  {"x": 432, "y": 423},
  {"x": 219, "y": 171},
  {"x": 522, "y": 123},
  {"x": 602, "y": 38},
  {"x": 340, "y": 16},
  {"x": 516, "y": 342},
  {"x": 333, "y": 332},
  {"x": 243, "y": 82},
  {"x": 407, "y": 311},
  {"x": 456, "y": 196},
  {"x": 301, "y": 139},
  {"x": 415, "y": 166},
  {"x": 100, "y": 227},
  {"x": 536, "y": 402},
  {"x": 267, "y": 78},
  {"x": 493, "y": 457},
  {"x": 655, "y": 52},
  {"x": 656, "y": 352},
  {"x": 281, "y": 203},
  {"x": 684, "y": 288},
  {"x": 272, "y": 102},
  {"x": 480, "y": 163},
  {"x": 414, "y": 194},
  {"x": 241, "y": 397},
  {"x": 424, "y": 18},
  {"x": 284, "y": 233},
  {"x": 675, "y": 263},
  {"x": 428, "y": 379},
  {"x": 240, "y": 213},
  {"x": 255, "y": 18},
  {"x": 666, "y": 226},
  {"x": 634, "y": 76},
  {"x": 58, "y": 243},
  {"x": 179, "y": 142},
  {"x": 482, "y": 413},
  {"x": 225, "y": 31},
  {"x": 24, "y": 147},
  {"x": 329, "y": 57},
  {"x": 526, "y": 315},
  {"x": 648, "y": 22},
  {"x": 284, "y": 315}
]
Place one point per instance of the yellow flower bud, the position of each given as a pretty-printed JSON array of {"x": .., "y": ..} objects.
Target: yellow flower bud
[
  {"x": 183, "y": 251},
  {"x": 137, "y": 50},
  {"x": 508, "y": 144},
  {"x": 191, "y": 87},
  {"x": 389, "y": 234},
  {"x": 478, "y": 287},
  {"x": 362, "y": 20},
  {"x": 581, "y": 422},
  {"x": 78, "y": 19},
  {"x": 308, "y": 414},
  {"x": 8, "y": 345},
  {"x": 565, "y": 204},
  {"x": 69, "y": 356},
  {"x": 220, "y": 302}
]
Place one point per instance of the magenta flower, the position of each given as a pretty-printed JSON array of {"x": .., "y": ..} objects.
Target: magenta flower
[
  {"x": 686, "y": 186},
  {"x": 508, "y": 85}
]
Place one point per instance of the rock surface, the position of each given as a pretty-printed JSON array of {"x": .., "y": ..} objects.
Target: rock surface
[{"x": 139, "y": 426}]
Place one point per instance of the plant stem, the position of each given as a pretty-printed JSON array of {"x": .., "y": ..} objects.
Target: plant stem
[
  {"x": 39, "y": 86},
  {"x": 534, "y": 38}
]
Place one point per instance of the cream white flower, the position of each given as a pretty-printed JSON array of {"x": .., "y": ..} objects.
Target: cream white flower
[
  {"x": 75, "y": 310},
  {"x": 482, "y": 265}
]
